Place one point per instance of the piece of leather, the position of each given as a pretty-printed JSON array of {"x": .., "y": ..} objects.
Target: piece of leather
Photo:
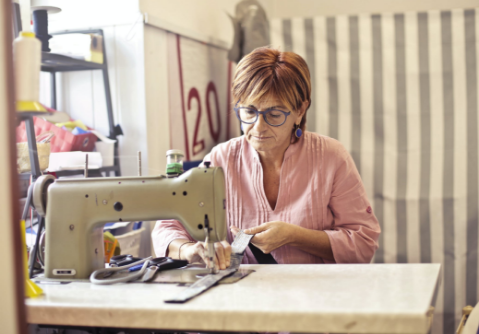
[{"x": 261, "y": 257}]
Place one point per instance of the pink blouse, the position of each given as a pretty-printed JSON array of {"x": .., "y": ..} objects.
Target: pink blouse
[{"x": 320, "y": 189}]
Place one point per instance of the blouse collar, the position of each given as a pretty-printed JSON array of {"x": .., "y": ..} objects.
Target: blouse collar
[{"x": 290, "y": 151}]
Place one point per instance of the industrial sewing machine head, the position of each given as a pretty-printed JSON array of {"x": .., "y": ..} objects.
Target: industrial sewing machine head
[{"x": 77, "y": 209}]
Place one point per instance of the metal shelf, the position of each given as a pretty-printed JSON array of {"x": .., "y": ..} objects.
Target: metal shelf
[
  {"x": 22, "y": 115},
  {"x": 53, "y": 62}
]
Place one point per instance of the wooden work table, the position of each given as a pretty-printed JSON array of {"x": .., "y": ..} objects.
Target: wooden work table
[{"x": 372, "y": 298}]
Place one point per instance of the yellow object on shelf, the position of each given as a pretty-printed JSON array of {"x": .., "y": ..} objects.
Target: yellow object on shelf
[
  {"x": 31, "y": 289},
  {"x": 73, "y": 124},
  {"x": 29, "y": 106}
]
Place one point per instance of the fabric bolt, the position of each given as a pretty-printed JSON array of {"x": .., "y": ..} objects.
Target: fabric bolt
[
  {"x": 411, "y": 89},
  {"x": 320, "y": 189}
]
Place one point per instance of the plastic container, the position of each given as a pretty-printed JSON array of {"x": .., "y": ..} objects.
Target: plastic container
[
  {"x": 174, "y": 162},
  {"x": 130, "y": 242},
  {"x": 106, "y": 147},
  {"x": 174, "y": 156},
  {"x": 27, "y": 58},
  {"x": 74, "y": 161}
]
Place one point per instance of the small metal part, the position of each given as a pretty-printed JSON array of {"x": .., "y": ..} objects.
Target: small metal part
[
  {"x": 211, "y": 247},
  {"x": 105, "y": 202},
  {"x": 207, "y": 164},
  {"x": 211, "y": 254},
  {"x": 86, "y": 165},
  {"x": 201, "y": 204},
  {"x": 72, "y": 227},
  {"x": 64, "y": 272},
  {"x": 139, "y": 163},
  {"x": 96, "y": 250},
  {"x": 118, "y": 206},
  {"x": 149, "y": 274}
]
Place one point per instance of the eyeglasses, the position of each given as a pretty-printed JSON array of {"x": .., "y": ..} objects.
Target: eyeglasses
[{"x": 273, "y": 117}]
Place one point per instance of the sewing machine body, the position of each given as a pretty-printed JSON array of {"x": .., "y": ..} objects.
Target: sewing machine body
[{"x": 77, "y": 210}]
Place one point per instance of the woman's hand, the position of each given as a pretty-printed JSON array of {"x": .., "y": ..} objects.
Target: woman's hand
[
  {"x": 198, "y": 252},
  {"x": 269, "y": 236}
]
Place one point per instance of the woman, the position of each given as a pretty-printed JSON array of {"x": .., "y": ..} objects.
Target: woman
[{"x": 298, "y": 192}]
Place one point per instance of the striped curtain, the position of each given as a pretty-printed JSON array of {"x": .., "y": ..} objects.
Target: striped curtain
[{"x": 400, "y": 92}]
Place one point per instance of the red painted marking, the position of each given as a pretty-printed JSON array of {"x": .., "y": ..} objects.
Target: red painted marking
[
  {"x": 193, "y": 94},
  {"x": 185, "y": 126},
  {"x": 212, "y": 89},
  {"x": 228, "y": 101}
]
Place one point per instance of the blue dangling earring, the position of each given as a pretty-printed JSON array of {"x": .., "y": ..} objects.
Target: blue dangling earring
[{"x": 298, "y": 133}]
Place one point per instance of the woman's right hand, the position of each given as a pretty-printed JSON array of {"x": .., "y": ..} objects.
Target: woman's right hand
[{"x": 198, "y": 252}]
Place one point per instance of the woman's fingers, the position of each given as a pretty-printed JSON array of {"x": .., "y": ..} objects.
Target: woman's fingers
[
  {"x": 227, "y": 249},
  {"x": 257, "y": 229},
  {"x": 220, "y": 255},
  {"x": 195, "y": 253}
]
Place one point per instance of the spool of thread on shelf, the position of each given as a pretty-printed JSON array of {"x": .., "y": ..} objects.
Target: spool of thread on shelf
[
  {"x": 27, "y": 59},
  {"x": 40, "y": 27}
]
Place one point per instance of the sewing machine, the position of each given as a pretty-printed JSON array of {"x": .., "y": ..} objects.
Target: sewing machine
[{"x": 77, "y": 209}]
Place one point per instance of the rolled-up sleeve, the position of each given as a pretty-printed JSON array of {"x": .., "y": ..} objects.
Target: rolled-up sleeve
[
  {"x": 355, "y": 230},
  {"x": 164, "y": 233}
]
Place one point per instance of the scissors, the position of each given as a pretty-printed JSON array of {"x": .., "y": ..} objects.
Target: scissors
[
  {"x": 158, "y": 264},
  {"x": 123, "y": 260}
]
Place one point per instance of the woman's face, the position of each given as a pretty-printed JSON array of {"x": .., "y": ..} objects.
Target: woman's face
[{"x": 266, "y": 138}]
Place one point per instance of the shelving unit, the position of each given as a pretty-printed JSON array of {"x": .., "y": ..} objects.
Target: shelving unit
[{"x": 55, "y": 63}]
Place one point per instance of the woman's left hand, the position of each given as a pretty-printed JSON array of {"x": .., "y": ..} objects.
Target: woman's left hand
[{"x": 269, "y": 236}]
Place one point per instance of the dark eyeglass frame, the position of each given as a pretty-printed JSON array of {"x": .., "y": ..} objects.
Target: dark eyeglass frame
[{"x": 236, "y": 109}]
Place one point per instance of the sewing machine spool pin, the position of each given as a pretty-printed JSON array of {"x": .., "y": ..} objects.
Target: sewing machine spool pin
[
  {"x": 139, "y": 163},
  {"x": 86, "y": 166}
]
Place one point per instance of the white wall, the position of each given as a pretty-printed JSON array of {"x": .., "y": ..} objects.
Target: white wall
[
  {"x": 310, "y": 8},
  {"x": 206, "y": 17}
]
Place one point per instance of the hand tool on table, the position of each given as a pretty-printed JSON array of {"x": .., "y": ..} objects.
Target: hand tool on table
[
  {"x": 163, "y": 263},
  {"x": 123, "y": 260},
  {"x": 102, "y": 276},
  {"x": 166, "y": 264}
]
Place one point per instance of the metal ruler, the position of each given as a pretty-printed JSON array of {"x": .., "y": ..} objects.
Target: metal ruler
[{"x": 238, "y": 248}]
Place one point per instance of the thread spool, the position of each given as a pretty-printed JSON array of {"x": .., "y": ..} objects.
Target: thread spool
[
  {"x": 40, "y": 27},
  {"x": 27, "y": 58}
]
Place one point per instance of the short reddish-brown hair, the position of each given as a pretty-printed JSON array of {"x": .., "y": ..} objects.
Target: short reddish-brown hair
[{"x": 267, "y": 73}]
